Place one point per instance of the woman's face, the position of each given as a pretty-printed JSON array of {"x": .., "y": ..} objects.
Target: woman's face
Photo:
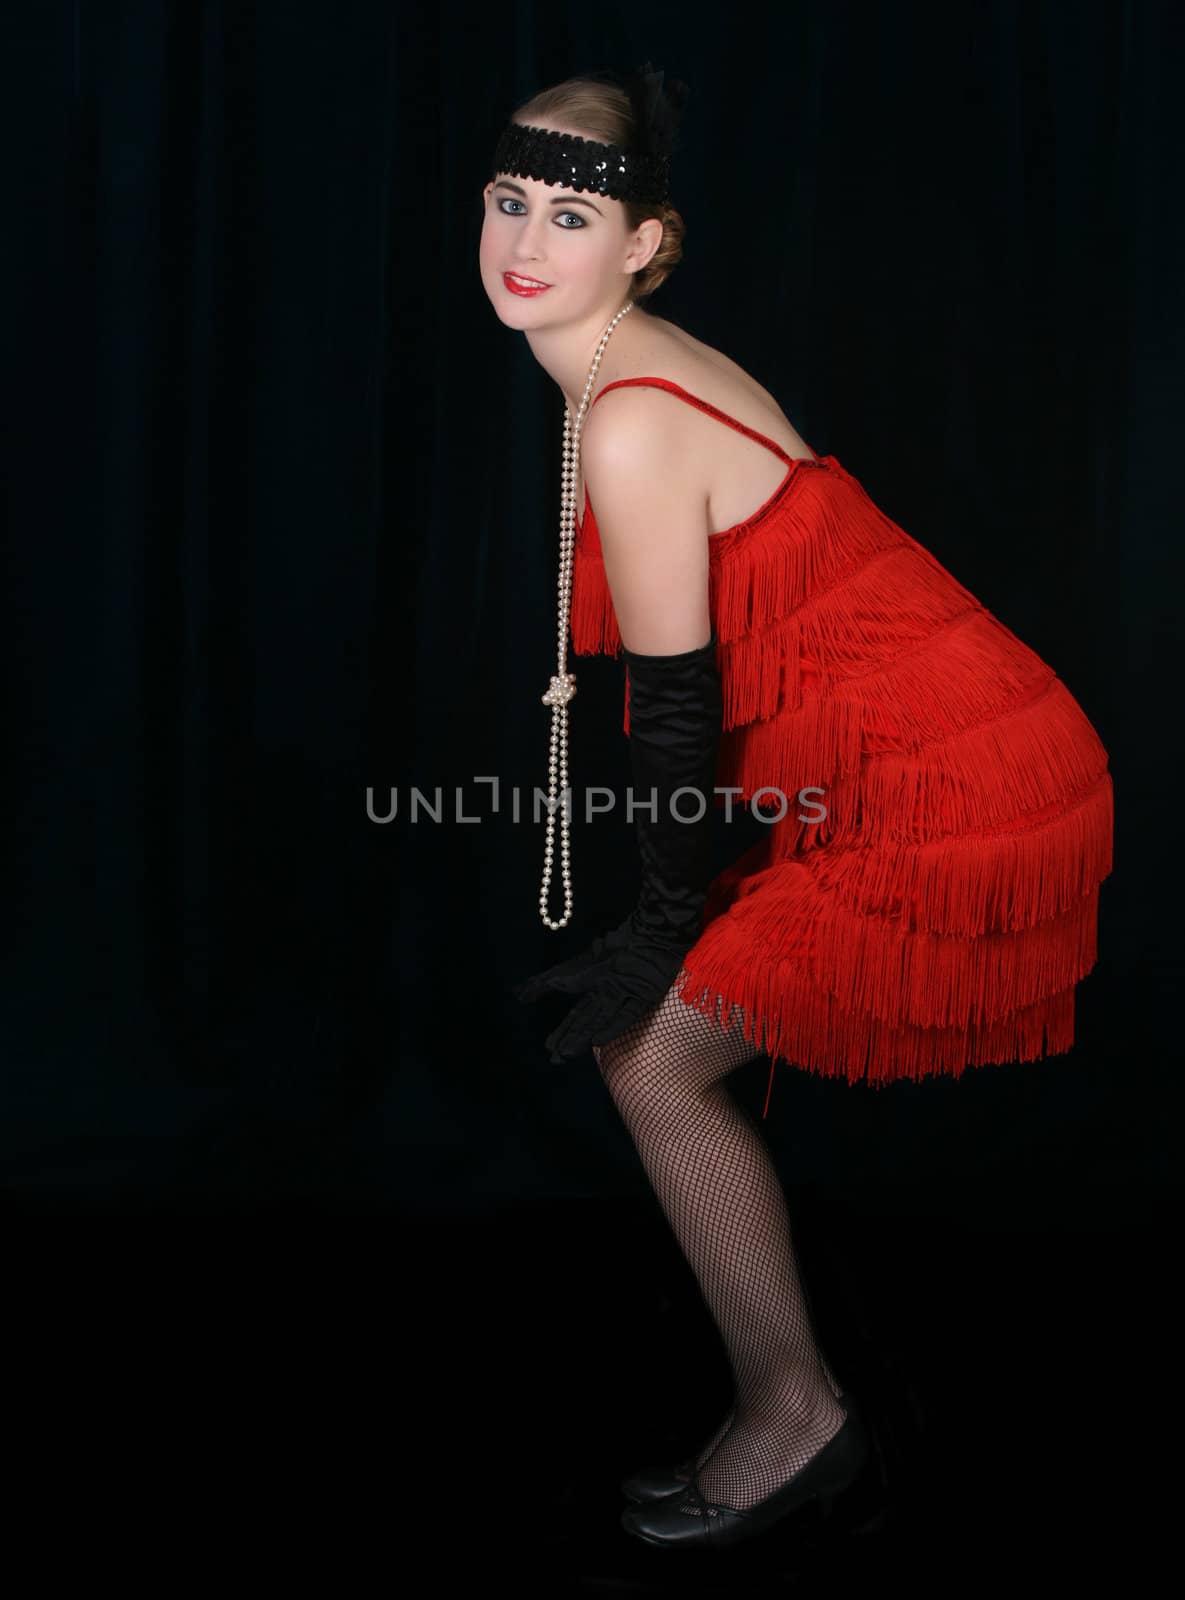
[{"x": 573, "y": 240}]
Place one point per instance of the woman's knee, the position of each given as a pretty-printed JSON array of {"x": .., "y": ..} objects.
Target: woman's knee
[{"x": 675, "y": 1050}]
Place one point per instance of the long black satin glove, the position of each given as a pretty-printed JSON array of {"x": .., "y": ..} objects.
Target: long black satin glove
[
  {"x": 578, "y": 973},
  {"x": 676, "y": 712}
]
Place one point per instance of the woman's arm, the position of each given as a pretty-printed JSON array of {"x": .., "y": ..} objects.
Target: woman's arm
[
  {"x": 652, "y": 515},
  {"x": 654, "y": 537}
]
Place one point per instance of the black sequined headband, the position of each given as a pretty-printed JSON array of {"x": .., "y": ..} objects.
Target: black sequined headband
[{"x": 641, "y": 173}]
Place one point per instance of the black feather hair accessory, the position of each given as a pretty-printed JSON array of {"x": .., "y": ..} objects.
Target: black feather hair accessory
[{"x": 658, "y": 108}]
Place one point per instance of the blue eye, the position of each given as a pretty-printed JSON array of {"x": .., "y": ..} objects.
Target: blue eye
[{"x": 575, "y": 215}]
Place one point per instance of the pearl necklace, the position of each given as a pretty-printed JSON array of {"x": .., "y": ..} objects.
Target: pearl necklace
[{"x": 563, "y": 684}]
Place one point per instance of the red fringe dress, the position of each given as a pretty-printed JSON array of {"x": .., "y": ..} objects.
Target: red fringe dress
[{"x": 942, "y": 911}]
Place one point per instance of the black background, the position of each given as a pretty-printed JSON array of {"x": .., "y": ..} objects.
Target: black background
[{"x": 281, "y": 498}]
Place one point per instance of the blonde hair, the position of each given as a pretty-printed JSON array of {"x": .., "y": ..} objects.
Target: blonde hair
[{"x": 603, "y": 111}]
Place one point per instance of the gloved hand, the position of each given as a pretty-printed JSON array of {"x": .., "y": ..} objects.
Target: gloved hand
[
  {"x": 577, "y": 973},
  {"x": 676, "y": 713}
]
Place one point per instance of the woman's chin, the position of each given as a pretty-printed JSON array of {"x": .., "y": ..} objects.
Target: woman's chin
[{"x": 516, "y": 313}]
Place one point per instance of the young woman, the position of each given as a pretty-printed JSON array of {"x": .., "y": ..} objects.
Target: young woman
[{"x": 925, "y": 898}]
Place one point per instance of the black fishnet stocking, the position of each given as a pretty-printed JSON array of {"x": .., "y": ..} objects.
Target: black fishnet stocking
[{"x": 711, "y": 1171}]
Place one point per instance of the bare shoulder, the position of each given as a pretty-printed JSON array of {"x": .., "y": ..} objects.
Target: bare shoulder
[
  {"x": 640, "y": 466},
  {"x": 643, "y": 431},
  {"x": 662, "y": 349},
  {"x": 635, "y": 424}
]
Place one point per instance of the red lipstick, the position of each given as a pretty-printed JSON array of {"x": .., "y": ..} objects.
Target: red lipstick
[{"x": 528, "y": 288}]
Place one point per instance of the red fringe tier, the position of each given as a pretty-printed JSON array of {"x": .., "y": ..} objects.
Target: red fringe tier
[{"x": 940, "y": 913}]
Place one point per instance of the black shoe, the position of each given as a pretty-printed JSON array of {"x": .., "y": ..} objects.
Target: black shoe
[
  {"x": 655, "y": 1483},
  {"x": 827, "y": 1474}
]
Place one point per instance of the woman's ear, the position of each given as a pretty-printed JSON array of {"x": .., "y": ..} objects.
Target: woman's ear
[{"x": 647, "y": 238}]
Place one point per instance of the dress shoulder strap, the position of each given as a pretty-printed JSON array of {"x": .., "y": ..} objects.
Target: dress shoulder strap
[{"x": 704, "y": 405}]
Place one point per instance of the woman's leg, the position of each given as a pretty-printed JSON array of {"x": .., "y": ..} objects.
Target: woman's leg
[{"x": 711, "y": 1171}]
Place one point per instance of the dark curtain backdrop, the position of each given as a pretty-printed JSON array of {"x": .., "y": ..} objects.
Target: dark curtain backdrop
[
  {"x": 281, "y": 499},
  {"x": 282, "y": 494}
]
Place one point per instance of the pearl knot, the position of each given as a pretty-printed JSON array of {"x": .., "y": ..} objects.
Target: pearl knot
[{"x": 560, "y": 690}]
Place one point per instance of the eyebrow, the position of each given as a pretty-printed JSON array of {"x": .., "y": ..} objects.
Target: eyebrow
[{"x": 561, "y": 200}]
